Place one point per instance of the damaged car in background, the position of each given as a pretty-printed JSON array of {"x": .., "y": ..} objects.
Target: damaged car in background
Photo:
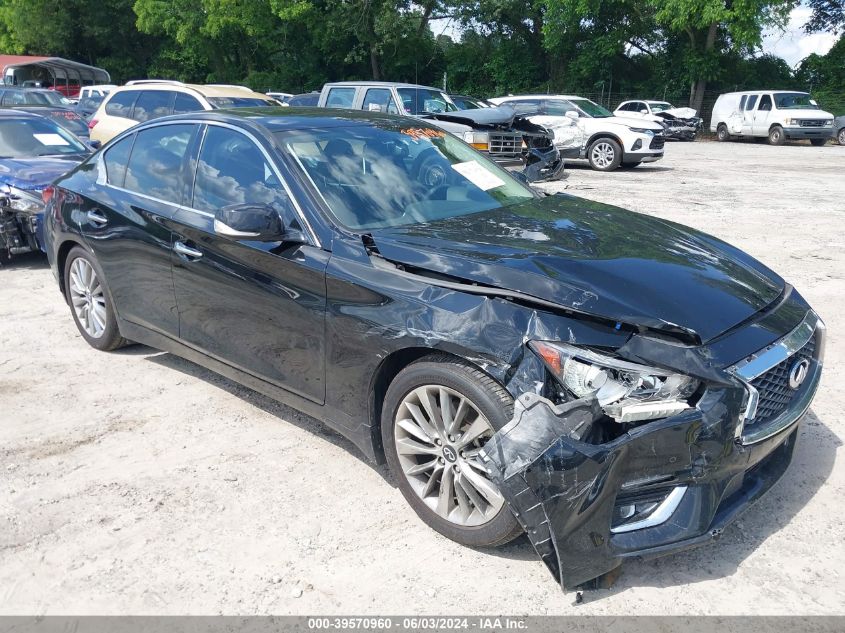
[
  {"x": 681, "y": 124},
  {"x": 34, "y": 151},
  {"x": 612, "y": 384},
  {"x": 509, "y": 139}
]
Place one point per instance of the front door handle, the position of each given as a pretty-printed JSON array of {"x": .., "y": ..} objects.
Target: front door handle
[
  {"x": 96, "y": 216},
  {"x": 186, "y": 251}
]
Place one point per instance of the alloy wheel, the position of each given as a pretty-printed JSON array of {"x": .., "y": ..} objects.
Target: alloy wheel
[
  {"x": 87, "y": 297},
  {"x": 603, "y": 155},
  {"x": 438, "y": 434}
]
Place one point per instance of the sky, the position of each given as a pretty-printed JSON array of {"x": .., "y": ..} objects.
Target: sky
[{"x": 792, "y": 44}]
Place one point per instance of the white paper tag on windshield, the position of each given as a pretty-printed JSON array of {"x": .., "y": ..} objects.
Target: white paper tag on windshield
[
  {"x": 50, "y": 139},
  {"x": 478, "y": 175}
]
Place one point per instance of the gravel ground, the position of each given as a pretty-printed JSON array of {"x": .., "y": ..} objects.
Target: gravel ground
[{"x": 137, "y": 482}]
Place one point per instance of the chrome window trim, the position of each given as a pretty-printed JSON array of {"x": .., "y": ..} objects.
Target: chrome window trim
[
  {"x": 135, "y": 130},
  {"x": 661, "y": 514}
]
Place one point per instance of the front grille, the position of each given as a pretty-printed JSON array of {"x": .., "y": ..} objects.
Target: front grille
[
  {"x": 505, "y": 145},
  {"x": 657, "y": 142},
  {"x": 812, "y": 123},
  {"x": 773, "y": 386}
]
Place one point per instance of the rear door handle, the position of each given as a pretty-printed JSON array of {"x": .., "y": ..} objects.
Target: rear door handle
[
  {"x": 96, "y": 216},
  {"x": 186, "y": 251}
]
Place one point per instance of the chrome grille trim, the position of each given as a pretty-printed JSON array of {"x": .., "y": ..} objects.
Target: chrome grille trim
[{"x": 756, "y": 365}]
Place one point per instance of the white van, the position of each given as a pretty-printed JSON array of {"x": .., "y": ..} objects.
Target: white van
[{"x": 776, "y": 114}]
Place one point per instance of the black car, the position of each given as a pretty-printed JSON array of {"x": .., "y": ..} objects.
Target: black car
[
  {"x": 306, "y": 99},
  {"x": 611, "y": 383},
  {"x": 34, "y": 151}
]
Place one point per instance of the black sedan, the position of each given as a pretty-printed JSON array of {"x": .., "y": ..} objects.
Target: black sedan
[{"x": 611, "y": 383}]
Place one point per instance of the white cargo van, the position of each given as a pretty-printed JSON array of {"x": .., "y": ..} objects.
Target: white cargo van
[{"x": 776, "y": 114}]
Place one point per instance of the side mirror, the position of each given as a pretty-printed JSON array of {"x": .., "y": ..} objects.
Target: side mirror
[
  {"x": 643, "y": 111},
  {"x": 250, "y": 221},
  {"x": 572, "y": 114}
]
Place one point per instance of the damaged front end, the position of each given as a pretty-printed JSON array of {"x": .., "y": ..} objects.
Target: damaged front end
[
  {"x": 511, "y": 141},
  {"x": 19, "y": 226},
  {"x": 609, "y": 458},
  {"x": 680, "y": 128}
]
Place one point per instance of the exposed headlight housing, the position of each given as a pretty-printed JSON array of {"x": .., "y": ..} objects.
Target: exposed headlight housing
[
  {"x": 627, "y": 392},
  {"x": 640, "y": 130},
  {"x": 479, "y": 140},
  {"x": 20, "y": 200},
  {"x": 828, "y": 123}
]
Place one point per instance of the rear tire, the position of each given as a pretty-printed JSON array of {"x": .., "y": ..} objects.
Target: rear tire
[
  {"x": 776, "y": 135},
  {"x": 433, "y": 473},
  {"x": 90, "y": 301},
  {"x": 604, "y": 154},
  {"x": 840, "y": 137},
  {"x": 722, "y": 133}
]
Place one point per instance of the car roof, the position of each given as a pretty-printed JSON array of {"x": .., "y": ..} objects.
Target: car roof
[
  {"x": 382, "y": 84},
  {"x": 278, "y": 118},
  {"x": 206, "y": 90},
  {"x": 512, "y": 97}
]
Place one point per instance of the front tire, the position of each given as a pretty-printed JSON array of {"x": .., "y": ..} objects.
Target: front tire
[
  {"x": 605, "y": 154},
  {"x": 90, "y": 301},
  {"x": 437, "y": 414},
  {"x": 777, "y": 136}
]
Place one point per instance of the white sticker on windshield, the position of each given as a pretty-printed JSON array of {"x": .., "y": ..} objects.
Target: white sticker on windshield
[
  {"x": 478, "y": 175},
  {"x": 50, "y": 139}
]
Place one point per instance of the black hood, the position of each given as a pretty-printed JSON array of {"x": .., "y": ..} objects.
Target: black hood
[{"x": 595, "y": 259}]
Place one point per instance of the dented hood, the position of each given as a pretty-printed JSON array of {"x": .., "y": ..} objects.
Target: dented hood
[
  {"x": 595, "y": 259},
  {"x": 34, "y": 174}
]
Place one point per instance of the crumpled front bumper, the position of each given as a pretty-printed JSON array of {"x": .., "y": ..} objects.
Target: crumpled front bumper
[{"x": 564, "y": 491}]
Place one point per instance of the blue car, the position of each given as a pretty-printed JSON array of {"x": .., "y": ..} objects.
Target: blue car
[{"x": 34, "y": 151}]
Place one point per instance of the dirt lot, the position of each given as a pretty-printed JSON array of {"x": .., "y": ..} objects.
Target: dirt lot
[{"x": 136, "y": 482}]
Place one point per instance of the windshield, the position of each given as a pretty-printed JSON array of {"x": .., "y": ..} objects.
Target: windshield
[
  {"x": 386, "y": 174},
  {"x": 590, "y": 109},
  {"x": 794, "y": 101},
  {"x": 425, "y": 100},
  {"x": 660, "y": 106},
  {"x": 28, "y": 138},
  {"x": 240, "y": 102}
]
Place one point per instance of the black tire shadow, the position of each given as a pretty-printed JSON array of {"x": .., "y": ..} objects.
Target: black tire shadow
[
  {"x": 27, "y": 261},
  {"x": 285, "y": 413}
]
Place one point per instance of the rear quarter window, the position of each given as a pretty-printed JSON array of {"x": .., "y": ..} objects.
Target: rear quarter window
[
  {"x": 116, "y": 158},
  {"x": 155, "y": 165},
  {"x": 120, "y": 103}
]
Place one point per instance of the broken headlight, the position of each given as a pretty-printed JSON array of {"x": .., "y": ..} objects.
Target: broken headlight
[
  {"x": 20, "y": 200},
  {"x": 627, "y": 392}
]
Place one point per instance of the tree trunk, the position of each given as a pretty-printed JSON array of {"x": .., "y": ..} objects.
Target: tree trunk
[
  {"x": 696, "y": 97},
  {"x": 374, "y": 62}
]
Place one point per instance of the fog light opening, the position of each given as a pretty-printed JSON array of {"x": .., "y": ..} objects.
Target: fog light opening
[{"x": 644, "y": 510}]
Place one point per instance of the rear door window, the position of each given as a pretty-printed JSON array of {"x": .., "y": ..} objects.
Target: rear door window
[
  {"x": 525, "y": 106},
  {"x": 752, "y": 101},
  {"x": 186, "y": 103},
  {"x": 152, "y": 104},
  {"x": 121, "y": 103},
  {"x": 155, "y": 166},
  {"x": 340, "y": 98},
  {"x": 558, "y": 107}
]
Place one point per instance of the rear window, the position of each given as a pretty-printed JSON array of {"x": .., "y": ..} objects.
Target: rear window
[
  {"x": 120, "y": 103},
  {"x": 67, "y": 118}
]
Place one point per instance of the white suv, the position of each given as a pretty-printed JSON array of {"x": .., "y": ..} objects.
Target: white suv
[
  {"x": 585, "y": 130},
  {"x": 147, "y": 99}
]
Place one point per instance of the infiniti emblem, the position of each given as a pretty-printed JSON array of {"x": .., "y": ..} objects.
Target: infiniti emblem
[
  {"x": 449, "y": 454},
  {"x": 798, "y": 372}
]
